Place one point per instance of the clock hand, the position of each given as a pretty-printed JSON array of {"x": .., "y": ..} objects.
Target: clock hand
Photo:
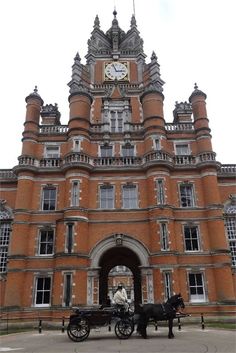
[{"x": 114, "y": 67}]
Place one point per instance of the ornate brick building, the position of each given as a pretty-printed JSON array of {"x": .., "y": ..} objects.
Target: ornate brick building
[{"x": 117, "y": 186}]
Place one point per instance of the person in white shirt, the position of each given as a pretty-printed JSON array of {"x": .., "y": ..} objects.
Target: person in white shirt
[{"x": 120, "y": 297}]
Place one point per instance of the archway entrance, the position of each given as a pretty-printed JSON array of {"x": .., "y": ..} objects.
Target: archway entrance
[
  {"x": 120, "y": 256},
  {"x": 119, "y": 250}
]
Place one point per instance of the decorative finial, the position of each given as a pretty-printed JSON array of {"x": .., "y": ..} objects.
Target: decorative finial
[
  {"x": 195, "y": 86},
  {"x": 34, "y": 94},
  {"x": 77, "y": 57},
  {"x": 115, "y": 12},
  {"x": 96, "y": 22},
  {"x": 133, "y": 21},
  {"x": 153, "y": 57}
]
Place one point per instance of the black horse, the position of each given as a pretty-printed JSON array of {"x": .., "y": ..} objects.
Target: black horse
[{"x": 160, "y": 312}]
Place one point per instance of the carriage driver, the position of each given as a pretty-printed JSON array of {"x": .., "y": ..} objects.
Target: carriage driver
[{"x": 120, "y": 297}]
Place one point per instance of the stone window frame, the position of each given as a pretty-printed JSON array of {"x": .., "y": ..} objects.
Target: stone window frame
[
  {"x": 52, "y": 145},
  {"x": 45, "y": 229},
  {"x": 164, "y": 236},
  {"x": 133, "y": 186},
  {"x": 193, "y": 196},
  {"x": 36, "y": 279},
  {"x": 192, "y": 225},
  {"x": 107, "y": 200},
  {"x": 203, "y": 286},
  {"x": 48, "y": 187},
  {"x": 75, "y": 197},
  {"x": 178, "y": 144}
]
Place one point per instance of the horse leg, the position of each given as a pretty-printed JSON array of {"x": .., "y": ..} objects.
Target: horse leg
[
  {"x": 142, "y": 326},
  {"x": 170, "y": 325}
]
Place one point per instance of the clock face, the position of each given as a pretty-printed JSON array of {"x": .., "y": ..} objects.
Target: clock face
[{"x": 116, "y": 71}]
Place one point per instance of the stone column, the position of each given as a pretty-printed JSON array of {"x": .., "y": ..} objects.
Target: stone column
[{"x": 93, "y": 287}]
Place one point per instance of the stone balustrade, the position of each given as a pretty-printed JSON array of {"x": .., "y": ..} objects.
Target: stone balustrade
[
  {"x": 185, "y": 160},
  {"x": 228, "y": 169},
  {"x": 50, "y": 162},
  {"x": 28, "y": 161},
  {"x": 99, "y": 128},
  {"x": 159, "y": 157},
  {"x": 7, "y": 174},
  {"x": 53, "y": 129},
  {"x": 207, "y": 157},
  {"x": 179, "y": 127},
  {"x": 117, "y": 161}
]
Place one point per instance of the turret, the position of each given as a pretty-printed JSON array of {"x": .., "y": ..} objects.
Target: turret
[
  {"x": 198, "y": 101},
  {"x": 80, "y": 100},
  {"x": 31, "y": 126},
  {"x": 152, "y": 97}
]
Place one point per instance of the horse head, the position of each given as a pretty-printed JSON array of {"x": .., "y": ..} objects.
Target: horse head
[{"x": 176, "y": 301}]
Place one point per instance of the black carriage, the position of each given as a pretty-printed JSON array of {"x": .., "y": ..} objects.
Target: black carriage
[{"x": 86, "y": 318}]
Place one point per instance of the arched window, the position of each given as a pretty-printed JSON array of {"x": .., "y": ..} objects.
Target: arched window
[
  {"x": 230, "y": 225},
  {"x": 5, "y": 230}
]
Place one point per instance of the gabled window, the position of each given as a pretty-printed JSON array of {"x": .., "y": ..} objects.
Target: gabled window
[
  {"x": 107, "y": 196},
  {"x": 160, "y": 191},
  {"x": 186, "y": 195},
  {"x": 46, "y": 242},
  {"x": 49, "y": 198},
  {"x": 5, "y": 229},
  {"x": 75, "y": 193},
  {"x": 164, "y": 237},
  {"x": 129, "y": 194},
  {"x": 127, "y": 150},
  {"x": 42, "y": 291},
  {"x": 191, "y": 238},
  {"x": 106, "y": 151},
  {"x": 196, "y": 287},
  {"x": 182, "y": 149},
  {"x": 52, "y": 151}
]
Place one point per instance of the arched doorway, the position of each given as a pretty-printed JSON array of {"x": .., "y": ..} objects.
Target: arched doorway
[
  {"x": 119, "y": 249},
  {"x": 115, "y": 257}
]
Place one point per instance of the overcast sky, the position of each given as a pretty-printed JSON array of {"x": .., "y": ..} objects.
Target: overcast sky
[{"x": 194, "y": 41}]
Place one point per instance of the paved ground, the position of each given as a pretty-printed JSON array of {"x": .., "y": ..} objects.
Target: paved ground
[{"x": 188, "y": 340}]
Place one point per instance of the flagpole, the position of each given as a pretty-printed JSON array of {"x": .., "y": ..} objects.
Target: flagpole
[{"x": 133, "y": 8}]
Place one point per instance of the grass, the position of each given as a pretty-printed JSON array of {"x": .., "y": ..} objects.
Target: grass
[{"x": 222, "y": 325}]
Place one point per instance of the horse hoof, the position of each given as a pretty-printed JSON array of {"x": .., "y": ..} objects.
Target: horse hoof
[{"x": 171, "y": 336}]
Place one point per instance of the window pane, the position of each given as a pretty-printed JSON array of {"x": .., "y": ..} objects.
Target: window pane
[
  {"x": 182, "y": 149},
  {"x": 106, "y": 197},
  {"x": 4, "y": 242},
  {"x": 49, "y": 199},
  {"x": 160, "y": 192},
  {"x": 231, "y": 232},
  {"x": 186, "y": 195},
  {"x": 129, "y": 196},
  {"x": 106, "y": 151}
]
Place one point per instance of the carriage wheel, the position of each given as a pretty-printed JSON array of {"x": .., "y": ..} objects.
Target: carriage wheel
[
  {"x": 78, "y": 330},
  {"x": 124, "y": 328}
]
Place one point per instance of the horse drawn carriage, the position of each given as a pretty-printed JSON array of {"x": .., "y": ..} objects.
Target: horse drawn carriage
[{"x": 84, "y": 319}]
